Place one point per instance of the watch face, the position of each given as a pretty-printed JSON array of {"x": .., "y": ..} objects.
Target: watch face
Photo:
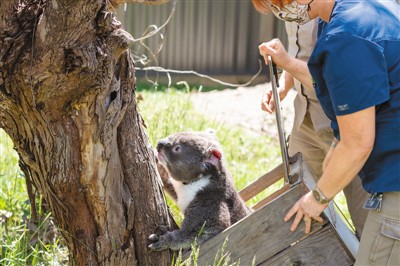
[{"x": 316, "y": 195}]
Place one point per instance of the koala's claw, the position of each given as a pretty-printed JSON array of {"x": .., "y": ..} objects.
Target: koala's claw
[
  {"x": 153, "y": 238},
  {"x": 157, "y": 244}
]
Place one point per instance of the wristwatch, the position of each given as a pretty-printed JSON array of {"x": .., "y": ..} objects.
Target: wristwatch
[{"x": 319, "y": 196}]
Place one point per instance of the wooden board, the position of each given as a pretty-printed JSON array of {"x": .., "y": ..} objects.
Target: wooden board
[
  {"x": 321, "y": 248},
  {"x": 265, "y": 238},
  {"x": 263, "y": 234},
  {"x": 262, "y": 183}
]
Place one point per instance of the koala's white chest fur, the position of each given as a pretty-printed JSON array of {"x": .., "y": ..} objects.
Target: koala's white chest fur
[{"x": 186, "y": 193}]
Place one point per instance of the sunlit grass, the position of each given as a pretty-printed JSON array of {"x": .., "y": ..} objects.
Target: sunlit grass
[
  {"x": 247, "y": 156},
  {"x": 165, "y": 111},
  {"x": 21, "y": 240}
]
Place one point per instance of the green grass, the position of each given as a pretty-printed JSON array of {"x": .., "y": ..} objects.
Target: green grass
[
  {"x": 179, "y": 86},
  {"x": 165, "y": 111},
  {"x": 22, "y": 241},
  {"x": 247, "y": 156}
]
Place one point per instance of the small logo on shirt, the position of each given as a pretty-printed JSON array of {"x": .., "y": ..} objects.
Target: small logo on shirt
[{"x": 343, "y": 107}]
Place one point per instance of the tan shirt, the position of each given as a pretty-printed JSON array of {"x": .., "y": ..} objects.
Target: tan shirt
[{"x": 301, "y": 40}]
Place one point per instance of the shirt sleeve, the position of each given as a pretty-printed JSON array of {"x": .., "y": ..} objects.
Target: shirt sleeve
[{"x": 355, "y": 74}]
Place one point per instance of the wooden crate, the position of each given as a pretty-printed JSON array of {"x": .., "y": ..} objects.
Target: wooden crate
[{"x": 265, "y": 238}]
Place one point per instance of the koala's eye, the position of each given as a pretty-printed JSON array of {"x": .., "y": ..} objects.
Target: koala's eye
[{"x": 176, "y": 149}]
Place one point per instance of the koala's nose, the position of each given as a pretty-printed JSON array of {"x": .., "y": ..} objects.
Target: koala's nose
[{"x": 162, "y": 143}]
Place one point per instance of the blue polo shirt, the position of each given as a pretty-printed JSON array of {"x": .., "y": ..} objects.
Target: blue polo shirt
[{"x": 356, "y": 65}]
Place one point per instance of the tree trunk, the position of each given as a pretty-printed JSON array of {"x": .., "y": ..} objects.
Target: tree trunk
[{"x": 67, "y": 101}]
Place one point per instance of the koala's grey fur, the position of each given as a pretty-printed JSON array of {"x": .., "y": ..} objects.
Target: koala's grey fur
[{"x": 203, "y": 188}]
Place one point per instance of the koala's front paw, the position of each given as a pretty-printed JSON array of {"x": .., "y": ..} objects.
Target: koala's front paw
[
  {"x": 161, "y": 229},
  {"x": 157, "y": 243}
]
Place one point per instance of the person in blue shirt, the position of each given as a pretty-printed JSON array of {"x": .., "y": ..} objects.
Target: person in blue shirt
[
  {"x": 355, "y": 70},
  {"x": 311, "y": 132}
]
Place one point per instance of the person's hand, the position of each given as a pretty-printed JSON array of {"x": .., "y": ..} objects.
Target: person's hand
[
  {"x": 276, "y": 50},
  {"x": 268, "y": 102},
  {"x": 307, "y": 209}
]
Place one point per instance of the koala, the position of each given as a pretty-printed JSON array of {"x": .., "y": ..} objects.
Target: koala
[{"x": 202, "y": 187}]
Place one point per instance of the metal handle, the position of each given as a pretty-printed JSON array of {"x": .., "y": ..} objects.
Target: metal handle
[{"x": 282, "y": 139}]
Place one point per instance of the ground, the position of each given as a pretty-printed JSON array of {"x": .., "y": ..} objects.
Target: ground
[{"x": 242, "y": 107}]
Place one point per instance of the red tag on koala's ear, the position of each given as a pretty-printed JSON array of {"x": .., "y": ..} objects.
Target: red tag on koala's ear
[{"x": 217, "y": 154}]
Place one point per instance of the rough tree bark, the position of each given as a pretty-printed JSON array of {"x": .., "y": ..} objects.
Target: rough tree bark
[{"x": 67, "y": 101}]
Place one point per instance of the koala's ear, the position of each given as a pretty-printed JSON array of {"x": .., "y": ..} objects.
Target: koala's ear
[
  {"x": 217, "y": 154},
  {"x": 214, "y": 156}
]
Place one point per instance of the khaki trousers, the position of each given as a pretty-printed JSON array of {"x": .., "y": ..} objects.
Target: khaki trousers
[
  {"x": 380, "y": 241},
  {"x": 314, "y": 146}
]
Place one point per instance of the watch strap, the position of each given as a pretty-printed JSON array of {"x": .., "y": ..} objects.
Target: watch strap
[{"x": 319, "y": 196}]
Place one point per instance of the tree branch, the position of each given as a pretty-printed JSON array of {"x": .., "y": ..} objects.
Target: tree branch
[{"x": 115, "y": 3}]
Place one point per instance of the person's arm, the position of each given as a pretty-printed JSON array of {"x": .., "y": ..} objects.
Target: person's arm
[
  {"x": 357, "y": 136},
  {"x": 296, "y": 67},
  {"x": 329, "y": 154},
  {"x": 286, "y": 82},
  {"x": 357, "y": 131}
]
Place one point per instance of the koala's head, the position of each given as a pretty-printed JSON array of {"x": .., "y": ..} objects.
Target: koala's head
[{"x": 188, "y": 156}]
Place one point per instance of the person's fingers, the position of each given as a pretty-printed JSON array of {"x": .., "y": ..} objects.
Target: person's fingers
[
  {"x": 265, "y": 107},
  {"x": 274, "y": 43},
  {"x": 264, "y": 52},
  {"x": 270, "y": 46},
  {"x": 270, "y": 101},
  {"x": 267, "y": 49},
  {"x": 297, "y": 220},
  {"x": 318, "y": 219},
  {"x": 265, "y": 102},
  {"x": 264, "y": 49},
  {"x": 291, "y": 212},
  {"x": 307, "y": 220},
  {"x": 265, "y": 56},
  {"x": 272, "y": 105}
]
